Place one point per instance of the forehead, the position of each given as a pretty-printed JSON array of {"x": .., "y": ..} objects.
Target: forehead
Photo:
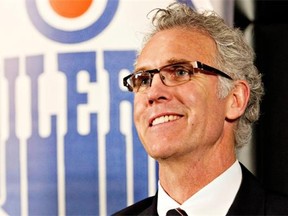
[{"x": 176, "y": 43}]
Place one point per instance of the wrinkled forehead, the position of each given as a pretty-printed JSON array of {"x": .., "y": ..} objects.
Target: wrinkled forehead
[{"x": 177, "y": 43}]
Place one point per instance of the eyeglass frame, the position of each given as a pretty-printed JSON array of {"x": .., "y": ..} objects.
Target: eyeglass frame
[{"x": 201, "y": 68}]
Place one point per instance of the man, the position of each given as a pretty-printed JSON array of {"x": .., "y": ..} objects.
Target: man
[{"x": 197, "y": 93}]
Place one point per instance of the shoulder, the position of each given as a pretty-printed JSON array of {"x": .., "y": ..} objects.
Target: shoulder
[
  {"x": 276, "y": 204},
  {"x": 147, "y": 206},
  {"x": 253, "y": 199}
]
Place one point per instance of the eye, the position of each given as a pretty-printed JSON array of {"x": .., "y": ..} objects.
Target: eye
[
  {"x": 144, "y": 80},
  {"x": 141, "y": 79},
  {"x": 179, "y": 71}
]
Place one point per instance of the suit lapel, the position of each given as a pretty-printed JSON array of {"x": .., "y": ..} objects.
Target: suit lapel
[
  {"x": 151, "y": 209},
  {"x": 250, "y": 198}
]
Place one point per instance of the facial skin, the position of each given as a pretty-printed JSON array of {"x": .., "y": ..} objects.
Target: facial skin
[
  {"x": 197, "y": 114},
  {"x": 187, "y": 128}
]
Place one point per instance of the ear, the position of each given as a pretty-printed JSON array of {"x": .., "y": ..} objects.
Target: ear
[{"x": 237, "y": 100}]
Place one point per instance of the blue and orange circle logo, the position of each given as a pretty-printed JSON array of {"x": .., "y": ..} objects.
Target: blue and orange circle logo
[
  {"x": 71, "y": 21},
  {"x": 70, "y": 9}
]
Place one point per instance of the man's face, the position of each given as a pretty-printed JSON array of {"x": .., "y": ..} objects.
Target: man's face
[{"x": 181, "y": 120}]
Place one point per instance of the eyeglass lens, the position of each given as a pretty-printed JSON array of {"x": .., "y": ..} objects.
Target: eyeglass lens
[{"x": 170, "y": 75}]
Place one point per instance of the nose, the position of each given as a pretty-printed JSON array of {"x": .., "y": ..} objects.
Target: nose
[{"x": 158, "y": 92}]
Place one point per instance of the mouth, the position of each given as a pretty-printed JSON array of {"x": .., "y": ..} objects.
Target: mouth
[{"x": 164, "y": 119}]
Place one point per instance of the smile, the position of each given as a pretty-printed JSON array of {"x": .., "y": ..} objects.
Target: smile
[{"x": 164, "y": 119}]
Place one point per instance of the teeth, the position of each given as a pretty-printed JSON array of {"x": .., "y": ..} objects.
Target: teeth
[{"x": 164, "y": 119}]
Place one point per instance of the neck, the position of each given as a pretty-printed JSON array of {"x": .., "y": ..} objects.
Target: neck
[{"x": 182, "y": 177}]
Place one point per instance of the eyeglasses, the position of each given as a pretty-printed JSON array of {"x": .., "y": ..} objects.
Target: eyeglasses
[{"x": 170, "y": 75}]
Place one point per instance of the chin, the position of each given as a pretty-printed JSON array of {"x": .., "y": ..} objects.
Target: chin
[
  {"x": 159, "y": 155},
  {"x": 157, "y": 149}
]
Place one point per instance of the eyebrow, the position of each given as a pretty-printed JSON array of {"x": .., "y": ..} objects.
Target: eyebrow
[{"x": 169, "y": 61}]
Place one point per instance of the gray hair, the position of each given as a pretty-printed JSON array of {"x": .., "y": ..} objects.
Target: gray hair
[{"x": 233, "y": 56}]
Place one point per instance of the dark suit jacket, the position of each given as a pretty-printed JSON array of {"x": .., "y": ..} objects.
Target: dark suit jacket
[{"x": 251, "y": 199}]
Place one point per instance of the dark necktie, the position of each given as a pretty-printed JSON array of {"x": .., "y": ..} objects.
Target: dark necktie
[{"x": 176, "y": 212}]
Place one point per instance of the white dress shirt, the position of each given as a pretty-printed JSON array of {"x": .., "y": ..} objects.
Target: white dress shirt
[{"x": 214, "y": 199}]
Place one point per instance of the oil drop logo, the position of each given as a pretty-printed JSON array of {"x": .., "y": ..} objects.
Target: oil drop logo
[{"x": 73, "y": 21}]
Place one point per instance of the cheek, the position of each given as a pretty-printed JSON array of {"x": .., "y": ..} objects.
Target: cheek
[
  {"x": 202, "y": 104},
  {"x": 139, "y": 109},
  {"x": 139, "y": 119}
]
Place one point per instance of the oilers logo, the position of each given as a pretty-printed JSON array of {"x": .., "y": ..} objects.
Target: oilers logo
[
  {"x": 67, "y": 141},
  {"x": 46, "y": 16}
]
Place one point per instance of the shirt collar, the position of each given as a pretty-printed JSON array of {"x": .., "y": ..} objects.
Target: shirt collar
[{"x": 214, "y": 199}]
